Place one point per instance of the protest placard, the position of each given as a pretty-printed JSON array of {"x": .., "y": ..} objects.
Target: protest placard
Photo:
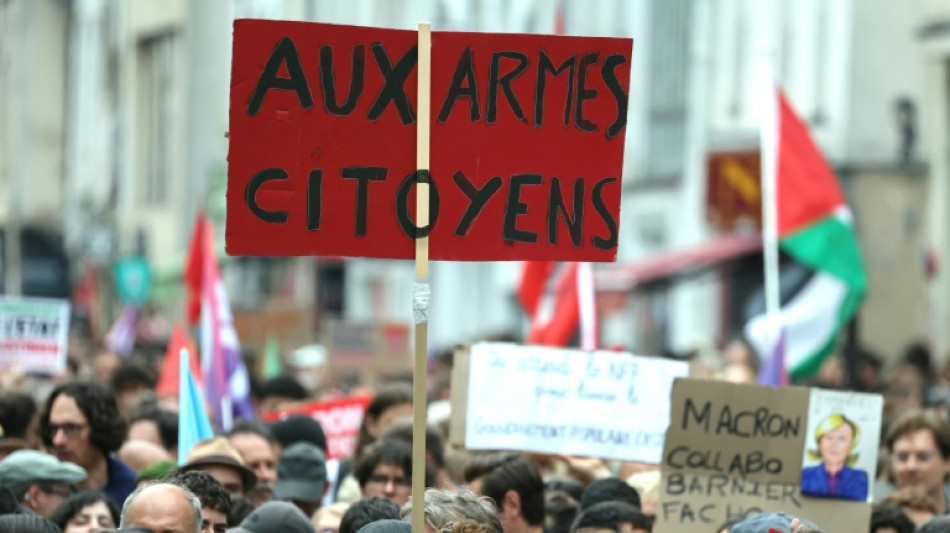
[
  {"x": 736, "y": 449},
  {"x": 33, "y": 334},
  {"x": 551, "y": 400},
  {"x": 340, "y": 418},
  {"x": 526, "y": 154}
]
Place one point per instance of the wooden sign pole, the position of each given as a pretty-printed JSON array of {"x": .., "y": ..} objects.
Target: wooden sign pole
[{"x": 420, "y": 304}]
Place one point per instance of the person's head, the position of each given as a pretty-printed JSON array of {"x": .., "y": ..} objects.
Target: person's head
[
  {"x": 401, "y": 429},
  {"x": 274, "y": 516},
  {"x": 215, "y": 501},
  {"x": 155, "y": 424},
  {"x": 914, "y": 502},
  {"x": 327, "y": 519},
  {"x": 140, "y": 454},
  {"x": 162, "y": 507},
  {"x": 366, "y": 511},
  {"x": 560, "y": 510},
  {"x": 258, "y": 450},
  {"x": 940, "y": 524},
  {"x": 392, "y": 402},
  {"x": 514, "y": 485},
  {"x": 780, "y": 522},
  {"x": 617, "y": 516},
  {"x": 890, "y": 519},
  {"x": 18, "y": 420},
  {"x": 444, "y": 507},
  {"x": 81, "y": 423},
  {"x": 85, "y": 512},
  {"x": 385, "y": 471},
  {"x": 219, "y": 458},
  {"x": 26, "y": 523},
  {"x": 609, "y": 489},
  {"x": 241, "y": 506},
  {"x": 38, "y": 480},
  {"x": 131, "y": 381},
  {"x": 567, "y": 484},
  {"x": 919, "y": 445},
  {"x": 297, "y": 428},
  {"x": 302, "y": 476},
  {"x": 280, "y": 390},
  {"x": 836, "y": 437},
  {"x": 156, "y": 471}
]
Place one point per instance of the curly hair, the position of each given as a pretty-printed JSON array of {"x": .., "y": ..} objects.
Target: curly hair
[
  {"x": 210, "y": 493},
  {"x": 79, "y": 501},
  {"x": 107, "y": 429}
]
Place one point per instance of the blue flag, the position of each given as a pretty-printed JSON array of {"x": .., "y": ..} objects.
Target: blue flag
[{"x": 193, "y": 423}]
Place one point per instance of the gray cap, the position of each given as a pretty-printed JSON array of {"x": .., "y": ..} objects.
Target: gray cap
[
  {"x": 387, "y": 526},
  {"x": 275, "y": 517},
  {"x": 301, "y": 473},
  {"x": 765, "y": 521},
  {"x": 25, "y": 467}
]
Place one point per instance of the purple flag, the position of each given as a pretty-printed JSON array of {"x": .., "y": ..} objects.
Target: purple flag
[{"x": 773, "y": 370}]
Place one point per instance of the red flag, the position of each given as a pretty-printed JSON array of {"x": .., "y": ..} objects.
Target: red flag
[
  {"x": 168, "y": 379},
  {"x": 192, "y": 274},
  {"x": 807, "y": 188},
  {"x": 548, "y": 292}
]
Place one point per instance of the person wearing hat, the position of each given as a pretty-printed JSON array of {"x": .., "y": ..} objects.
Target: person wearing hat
[
  {"x": 302, "y": 477},
  {"x": 220, "y": 459},
  {"x": 778, "y": 522},
  {"x": 39, "y": 481},
  {"x": 273, "y": 517}
]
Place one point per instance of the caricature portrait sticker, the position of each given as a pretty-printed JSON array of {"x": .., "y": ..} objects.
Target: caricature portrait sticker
[{"x": 839, "y": 459}]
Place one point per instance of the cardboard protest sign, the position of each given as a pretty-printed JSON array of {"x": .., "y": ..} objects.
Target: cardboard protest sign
[
  {"x": 550, "y": 400},
  {"x": 527, "y": 143},
  {"x": 736, "y": 449},
  {"x": 33, "y": 334},
  {"x": 340, "y": 418}
]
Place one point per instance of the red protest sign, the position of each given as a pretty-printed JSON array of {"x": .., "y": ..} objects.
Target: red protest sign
[
  {"x": 527, "y": 143},
  {"x": 340, "y": 418}
]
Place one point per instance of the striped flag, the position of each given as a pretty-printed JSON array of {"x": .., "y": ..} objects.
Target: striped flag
[
  {"x": 227, "y": 385},
  {"x": 816, "y": 230},
  {"x": 121, "y": 336},
  {"x": 559, "y": 298},
  {"x": 193, "y": 423}
]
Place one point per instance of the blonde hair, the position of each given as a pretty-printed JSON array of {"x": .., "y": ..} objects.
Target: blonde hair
[{"x": 829, "y": 424}]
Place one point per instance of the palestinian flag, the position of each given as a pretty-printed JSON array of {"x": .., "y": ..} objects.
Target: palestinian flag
[{"x": 815, "y": 231}]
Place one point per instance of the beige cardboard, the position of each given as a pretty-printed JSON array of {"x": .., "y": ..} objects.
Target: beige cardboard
[
  {"x": 731, "y": 449},
  {"x": 459, "y": 396}
]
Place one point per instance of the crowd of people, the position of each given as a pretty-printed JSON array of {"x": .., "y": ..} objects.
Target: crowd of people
[{"x": 97, "y": 451}]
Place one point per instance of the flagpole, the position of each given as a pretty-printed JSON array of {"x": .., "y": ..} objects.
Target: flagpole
[
  {"x": 420, "y": 303},
  {"x": 768, "y": 139}
]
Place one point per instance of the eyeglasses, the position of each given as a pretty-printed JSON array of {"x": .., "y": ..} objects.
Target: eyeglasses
[
  {"x": 383, "y": 480},
  {"x": 56, "y": 489},
  {"x": 70, "y": 429}
]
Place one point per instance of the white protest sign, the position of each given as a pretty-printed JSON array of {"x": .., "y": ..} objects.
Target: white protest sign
[
  {"x": 33, "y": 334},
  {"x": 549, "y": 400}
]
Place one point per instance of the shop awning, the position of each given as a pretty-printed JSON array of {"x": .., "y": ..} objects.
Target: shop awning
[{"x": 625, "y": 276}]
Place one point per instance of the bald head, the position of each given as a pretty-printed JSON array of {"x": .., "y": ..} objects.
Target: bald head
[{"x": 162, "y": 508}]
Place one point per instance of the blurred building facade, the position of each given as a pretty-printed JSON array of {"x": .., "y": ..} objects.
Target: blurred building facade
[{"x": 114, "y": 136}]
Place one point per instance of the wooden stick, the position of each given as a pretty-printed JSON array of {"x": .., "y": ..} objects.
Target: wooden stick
[{"x": 421, "y": 291}]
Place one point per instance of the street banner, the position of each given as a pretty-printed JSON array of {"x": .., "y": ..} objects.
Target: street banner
[
  {"x": 551, "y": 400},
  {"x": 734, "y": 449},
  {"x": 527, "y": 138},
  {"x": 34, "y": 334},
  {"x": 340, "y": 418}
]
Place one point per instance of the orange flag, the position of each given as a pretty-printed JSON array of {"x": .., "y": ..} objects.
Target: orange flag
[{"x": 168, "y": 379}]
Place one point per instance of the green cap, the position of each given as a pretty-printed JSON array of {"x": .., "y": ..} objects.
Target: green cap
[{"x": 156, "y": 470}]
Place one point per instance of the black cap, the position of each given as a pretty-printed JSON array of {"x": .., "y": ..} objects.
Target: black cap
[{"x": 297, "y": 428}]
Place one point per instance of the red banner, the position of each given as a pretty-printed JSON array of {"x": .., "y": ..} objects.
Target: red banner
[
  {"x": 527, "y": 143},
  {"x": 340, "y": 418}
]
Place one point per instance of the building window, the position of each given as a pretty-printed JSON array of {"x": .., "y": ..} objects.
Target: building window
[
  {"x": 669, "y": 61},
  {"x": 155, "y": 91}
]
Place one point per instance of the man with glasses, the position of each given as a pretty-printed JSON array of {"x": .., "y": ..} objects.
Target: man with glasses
[
  {"x": 919, "y": 445},
  {"x": 81, "y": 424},
  {"x": 39, "y": 481},
  {"x": 385, "y": 471}
]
